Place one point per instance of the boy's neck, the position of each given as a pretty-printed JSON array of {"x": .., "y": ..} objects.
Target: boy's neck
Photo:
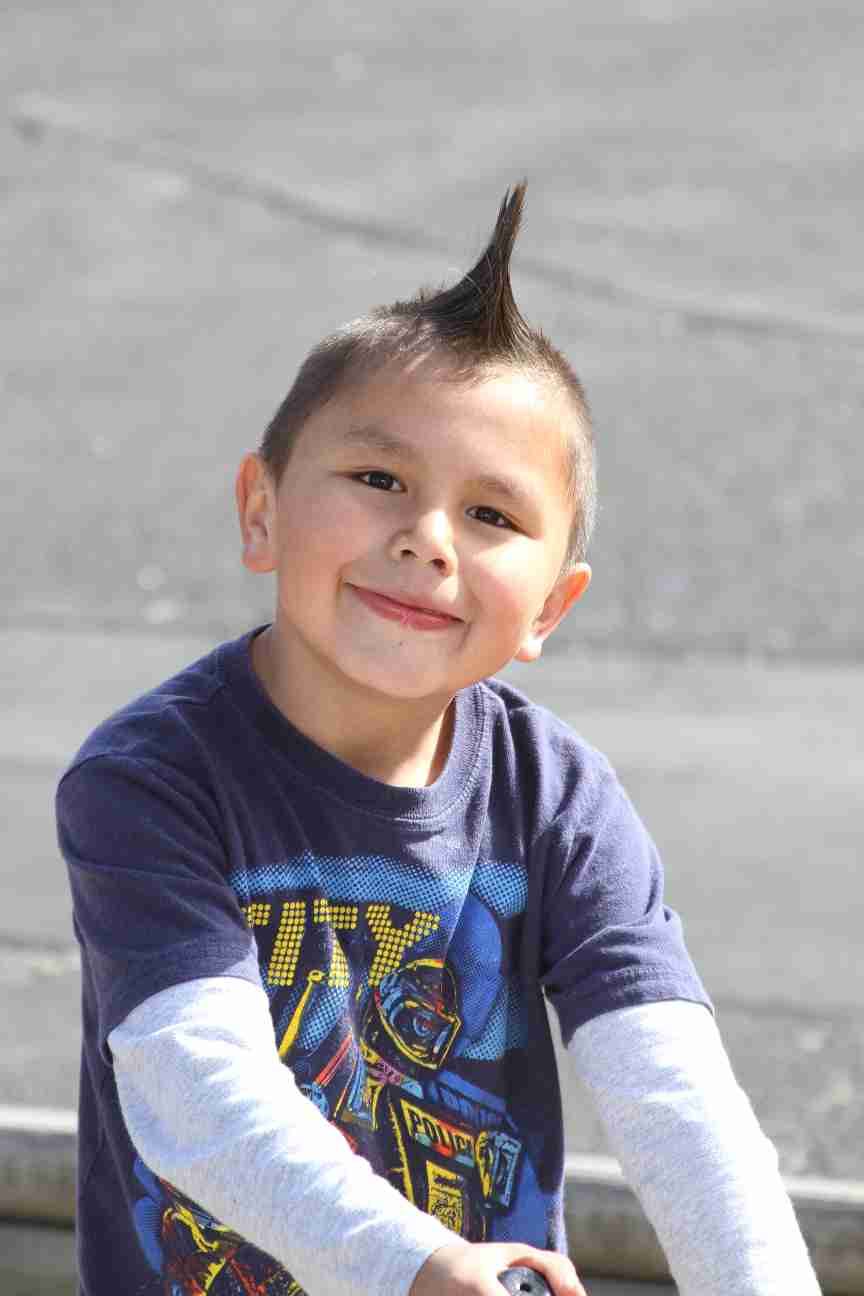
[{"x": 398, "y": 744}]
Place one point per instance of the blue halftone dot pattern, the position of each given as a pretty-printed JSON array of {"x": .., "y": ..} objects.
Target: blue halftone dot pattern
[
  {"x": 430, "y": 946},
  {"x": 284, "y": 1011},
  {"x": 505, "y": 1029},
  {"x": 358, "y": 878},
  {"x": 502, "y": 886},
  {"x": 475, "y": 956},
  {"x": 331, "y": 1006}
]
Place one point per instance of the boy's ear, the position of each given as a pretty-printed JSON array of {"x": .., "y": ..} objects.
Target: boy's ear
[
  {"x": 566, "y": 590},
  {"x": 256, "y": 509}
]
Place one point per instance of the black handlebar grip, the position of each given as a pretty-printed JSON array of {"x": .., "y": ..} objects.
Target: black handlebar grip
[{"x": 520, "y": 1281}]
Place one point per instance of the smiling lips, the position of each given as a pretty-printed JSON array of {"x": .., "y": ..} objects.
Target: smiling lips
[{"x": 409, "y": 614}]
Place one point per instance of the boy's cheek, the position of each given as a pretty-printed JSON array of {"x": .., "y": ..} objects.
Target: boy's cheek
[
  {"x": 515, "y": 592},
  {"x": 316, "y": 534}
]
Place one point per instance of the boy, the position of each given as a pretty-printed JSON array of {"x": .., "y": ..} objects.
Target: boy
[{"x": 324, "y": 877}]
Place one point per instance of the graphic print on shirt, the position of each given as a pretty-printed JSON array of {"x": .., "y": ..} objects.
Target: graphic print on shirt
[
  {"x": 192, "y": 1253},
  {"x": 395, "y": 1017}
]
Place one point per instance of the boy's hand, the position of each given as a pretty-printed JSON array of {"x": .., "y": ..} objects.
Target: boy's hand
[{"x": 472, "y": 1269}]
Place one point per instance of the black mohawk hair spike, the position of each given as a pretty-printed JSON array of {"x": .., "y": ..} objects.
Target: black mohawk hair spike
[
  {"x": 480, "y": 309},
  {"x": 477, "y": 324}
]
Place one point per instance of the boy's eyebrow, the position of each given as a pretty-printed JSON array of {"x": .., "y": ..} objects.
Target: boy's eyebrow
[
  {"x": 508, "y": 489},
  {"x": 373, "y": 437}
]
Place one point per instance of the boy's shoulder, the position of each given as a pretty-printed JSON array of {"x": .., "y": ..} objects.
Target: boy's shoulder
[
  {"x": 543, "y": 742},
  {"x": 156, "y": 724},
  {"x": 526, "y": 717}
]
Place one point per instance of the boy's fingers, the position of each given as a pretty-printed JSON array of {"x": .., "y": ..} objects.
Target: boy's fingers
[
  {"x": 475, "y": 1268},
  {"x": 559, "y": 1272}
]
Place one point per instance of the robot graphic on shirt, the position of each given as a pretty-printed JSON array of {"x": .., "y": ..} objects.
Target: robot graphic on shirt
[
  {"x": 384, "y": 1076},
  {"x": 447, "y": 1155},
  {"x": 387, "y": 1089}
]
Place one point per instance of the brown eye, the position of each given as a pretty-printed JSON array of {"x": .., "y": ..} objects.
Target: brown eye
[
  {"x": 490, "y": 516},
  {"x": 379, "y": 480}
]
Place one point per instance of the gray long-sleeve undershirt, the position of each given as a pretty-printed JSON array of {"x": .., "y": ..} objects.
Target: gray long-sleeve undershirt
[{"x": 210, "y": 1107}]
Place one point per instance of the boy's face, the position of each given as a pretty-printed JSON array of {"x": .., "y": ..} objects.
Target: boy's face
[{"x": 418, "y": 532}]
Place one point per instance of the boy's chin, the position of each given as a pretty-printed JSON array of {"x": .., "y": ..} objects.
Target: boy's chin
[
  {"x": 418, "y": 692},
  {"x": 392, "y": 686}
]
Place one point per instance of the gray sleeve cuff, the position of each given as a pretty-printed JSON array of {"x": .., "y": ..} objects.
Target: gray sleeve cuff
[{"x": 692, "y": 1149}]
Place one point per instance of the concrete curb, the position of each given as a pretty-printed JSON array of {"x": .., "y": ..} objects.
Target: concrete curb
[
  {"x": 609, "y": 1236},
  {"x": 38, "y": 1159}
]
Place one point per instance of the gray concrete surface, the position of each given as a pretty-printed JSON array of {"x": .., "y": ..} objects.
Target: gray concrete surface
[
  {"x": 36, "y": 1260},
  {"x": 190, "y": 197}
]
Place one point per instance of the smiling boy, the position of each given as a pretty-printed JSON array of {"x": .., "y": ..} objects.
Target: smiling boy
[
  {"x": 325, "y": 878},
  {"x": 418, "y": 536}
]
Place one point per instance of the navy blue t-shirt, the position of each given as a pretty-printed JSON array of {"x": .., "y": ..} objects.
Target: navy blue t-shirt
[{"x": 406, "y": 939}]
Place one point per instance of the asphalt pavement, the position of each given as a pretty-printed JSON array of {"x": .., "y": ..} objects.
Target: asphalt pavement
[{"x": 191, "y": 197}]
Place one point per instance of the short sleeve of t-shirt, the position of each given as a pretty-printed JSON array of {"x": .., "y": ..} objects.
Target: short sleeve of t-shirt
[
  {"x": 151, "y": 902},
  {"x": 609, "y": 939}
]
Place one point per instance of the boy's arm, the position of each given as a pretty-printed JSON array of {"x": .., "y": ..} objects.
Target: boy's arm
[
  {"x": 211, "y": 1108},
  {"x": 692, "y": 1149}
]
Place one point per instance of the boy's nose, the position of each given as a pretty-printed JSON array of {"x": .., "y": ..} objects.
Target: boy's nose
[{"x": 429, "y": 539}]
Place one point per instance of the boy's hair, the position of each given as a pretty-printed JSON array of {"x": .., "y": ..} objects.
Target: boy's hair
[{"x": 475, "y": 324}]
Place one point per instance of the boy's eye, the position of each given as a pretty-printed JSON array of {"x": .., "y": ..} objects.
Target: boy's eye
[
  {"x": 490, "y": 516},
  {"x": 380, "y": 480}
]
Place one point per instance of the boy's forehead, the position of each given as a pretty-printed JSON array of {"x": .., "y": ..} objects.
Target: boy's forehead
[{"x": 391, "y": 410}]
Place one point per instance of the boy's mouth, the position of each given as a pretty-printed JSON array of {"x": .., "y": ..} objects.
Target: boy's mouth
[{"x": 411, "y": 614}]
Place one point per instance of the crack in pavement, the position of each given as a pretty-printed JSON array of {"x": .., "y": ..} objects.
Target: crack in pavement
[{"x": 33, "y": 118}]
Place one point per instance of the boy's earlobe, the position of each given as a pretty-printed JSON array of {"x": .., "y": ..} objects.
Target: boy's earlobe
[
  {"x": 253, "y": 492},
  {"x": 567, "y": 590}
]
